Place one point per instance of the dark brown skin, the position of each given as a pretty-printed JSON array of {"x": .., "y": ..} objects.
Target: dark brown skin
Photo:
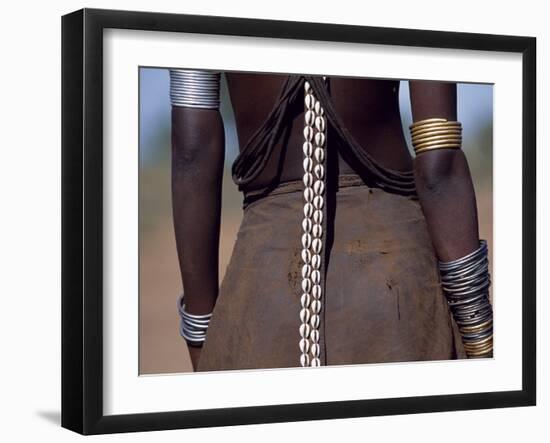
[
  {"x": 443, "y": 181},
  {"x": 197, "y": 166},
  {"x": 369, "y": 109}
]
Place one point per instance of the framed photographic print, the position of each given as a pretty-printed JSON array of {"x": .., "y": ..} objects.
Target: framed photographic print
[{"x": 269, "y": 221}]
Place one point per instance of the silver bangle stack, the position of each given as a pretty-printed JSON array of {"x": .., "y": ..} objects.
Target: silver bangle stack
[
  {"x": 193, "y": 88},
  {"x": 192, "y": 327},
  {"x": 312, "y": 236},
  {"x": 466, "y": 283}
]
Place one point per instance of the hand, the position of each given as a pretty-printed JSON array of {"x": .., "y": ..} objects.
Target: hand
[{"x": 194, "y": 353}]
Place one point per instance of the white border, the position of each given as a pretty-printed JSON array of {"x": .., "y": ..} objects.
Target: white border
[{"x": 126, "y": 392}]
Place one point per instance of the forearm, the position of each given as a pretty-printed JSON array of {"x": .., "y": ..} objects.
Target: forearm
[
  {"x": 448, "y": 202},
  {"x": 197, "y": 167},
  {"x": 443, "y": 180},
  {"x": 447, "y": 197}
]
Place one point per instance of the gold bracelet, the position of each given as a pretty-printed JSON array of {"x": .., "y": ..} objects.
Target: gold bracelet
[
  {"x": 480, "y": 343},
  {"x": 476, "y": 327},
  {"x": 435, "y": 133},
  {"x": 434, "y": 126},
  {"x": 479, "y": 349},
  {"x": 450, "y": 126},
  {"x": 480, "y": 353},
  {"x": 428, "y": 120},
  {"x": 437, "y": 141},
  {"x": 434, "y": 148}
]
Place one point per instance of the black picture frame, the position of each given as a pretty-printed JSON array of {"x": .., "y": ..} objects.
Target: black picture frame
[{"x": 82, "y": 220}]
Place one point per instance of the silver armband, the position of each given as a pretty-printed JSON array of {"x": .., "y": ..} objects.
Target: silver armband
[
  {"x": 192, "y": 327},
  {"x": 193, "y": 88}
]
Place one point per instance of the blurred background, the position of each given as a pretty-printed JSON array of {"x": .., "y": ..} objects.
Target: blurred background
[{"x": 161, "y": 349}]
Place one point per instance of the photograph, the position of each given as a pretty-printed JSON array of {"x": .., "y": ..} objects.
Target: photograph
[
  {"x": 255, "y": 209},
  {"x": 275, "y": 222},
  {"x": 298, "y": 220}
]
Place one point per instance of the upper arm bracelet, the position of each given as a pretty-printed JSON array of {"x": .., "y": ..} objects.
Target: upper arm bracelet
[
  {"x": 192, "y": 88},
  {"x": 435, "y": 133}
]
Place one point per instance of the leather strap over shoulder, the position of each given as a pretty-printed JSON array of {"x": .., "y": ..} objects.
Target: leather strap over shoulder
[{"x": 257, "y": 150}]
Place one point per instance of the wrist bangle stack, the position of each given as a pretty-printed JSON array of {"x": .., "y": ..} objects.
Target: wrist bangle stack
[
  {"x": 466, "y": 283},
  {"x": 435, "y": 133},
  {"x": 192, "y": 327}
]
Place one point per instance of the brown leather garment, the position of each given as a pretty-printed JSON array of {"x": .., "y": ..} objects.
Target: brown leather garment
[{"x": 382, "y": 301}]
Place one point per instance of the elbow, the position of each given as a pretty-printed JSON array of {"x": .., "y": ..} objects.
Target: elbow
[
  {"x": 197, "y": 138},
  {"x": 434, "y": 171},
  {"x": 198, "y": 163},
  {"x": 186, "y": 155}
]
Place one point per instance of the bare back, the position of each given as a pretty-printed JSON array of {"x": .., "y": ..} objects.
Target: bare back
[{"x": 369, "y": 109}]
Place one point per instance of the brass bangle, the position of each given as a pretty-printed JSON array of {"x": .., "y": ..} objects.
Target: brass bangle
[
  {"x": 427, "y": 120},
  {"x": 481, "y": 350},
  {"x": 447, "y": 144},
  {"x": 476, "y": 327},
  {"x": 479, "y": 343},
  {"x": 430, "y": 121},
  {"x": 447, "y": 125},
  {"x": 479, "y": 347},
  {"x": 429, "y": 135},
  {"x": 437, "y": 139},
  {"x": 476, "y": 330},
  {"x": 436, "y": 125},
  {"x": 434, "y": 132},
  {"x": 480, "y": 353},
  {"x": 434, "y": 148}
]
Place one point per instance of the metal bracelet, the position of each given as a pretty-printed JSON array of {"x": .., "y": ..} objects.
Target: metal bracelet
[
  {"x": 193, "y": 88},
  {"x": 465, "y": 283},
  {"x": 193, "y": 327},
  {"x": 445, "y": 265},
  {"x": 435, "y": 133}
]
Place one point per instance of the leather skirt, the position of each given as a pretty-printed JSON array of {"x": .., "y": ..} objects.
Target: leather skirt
[{"x": 382, "y": 301}]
